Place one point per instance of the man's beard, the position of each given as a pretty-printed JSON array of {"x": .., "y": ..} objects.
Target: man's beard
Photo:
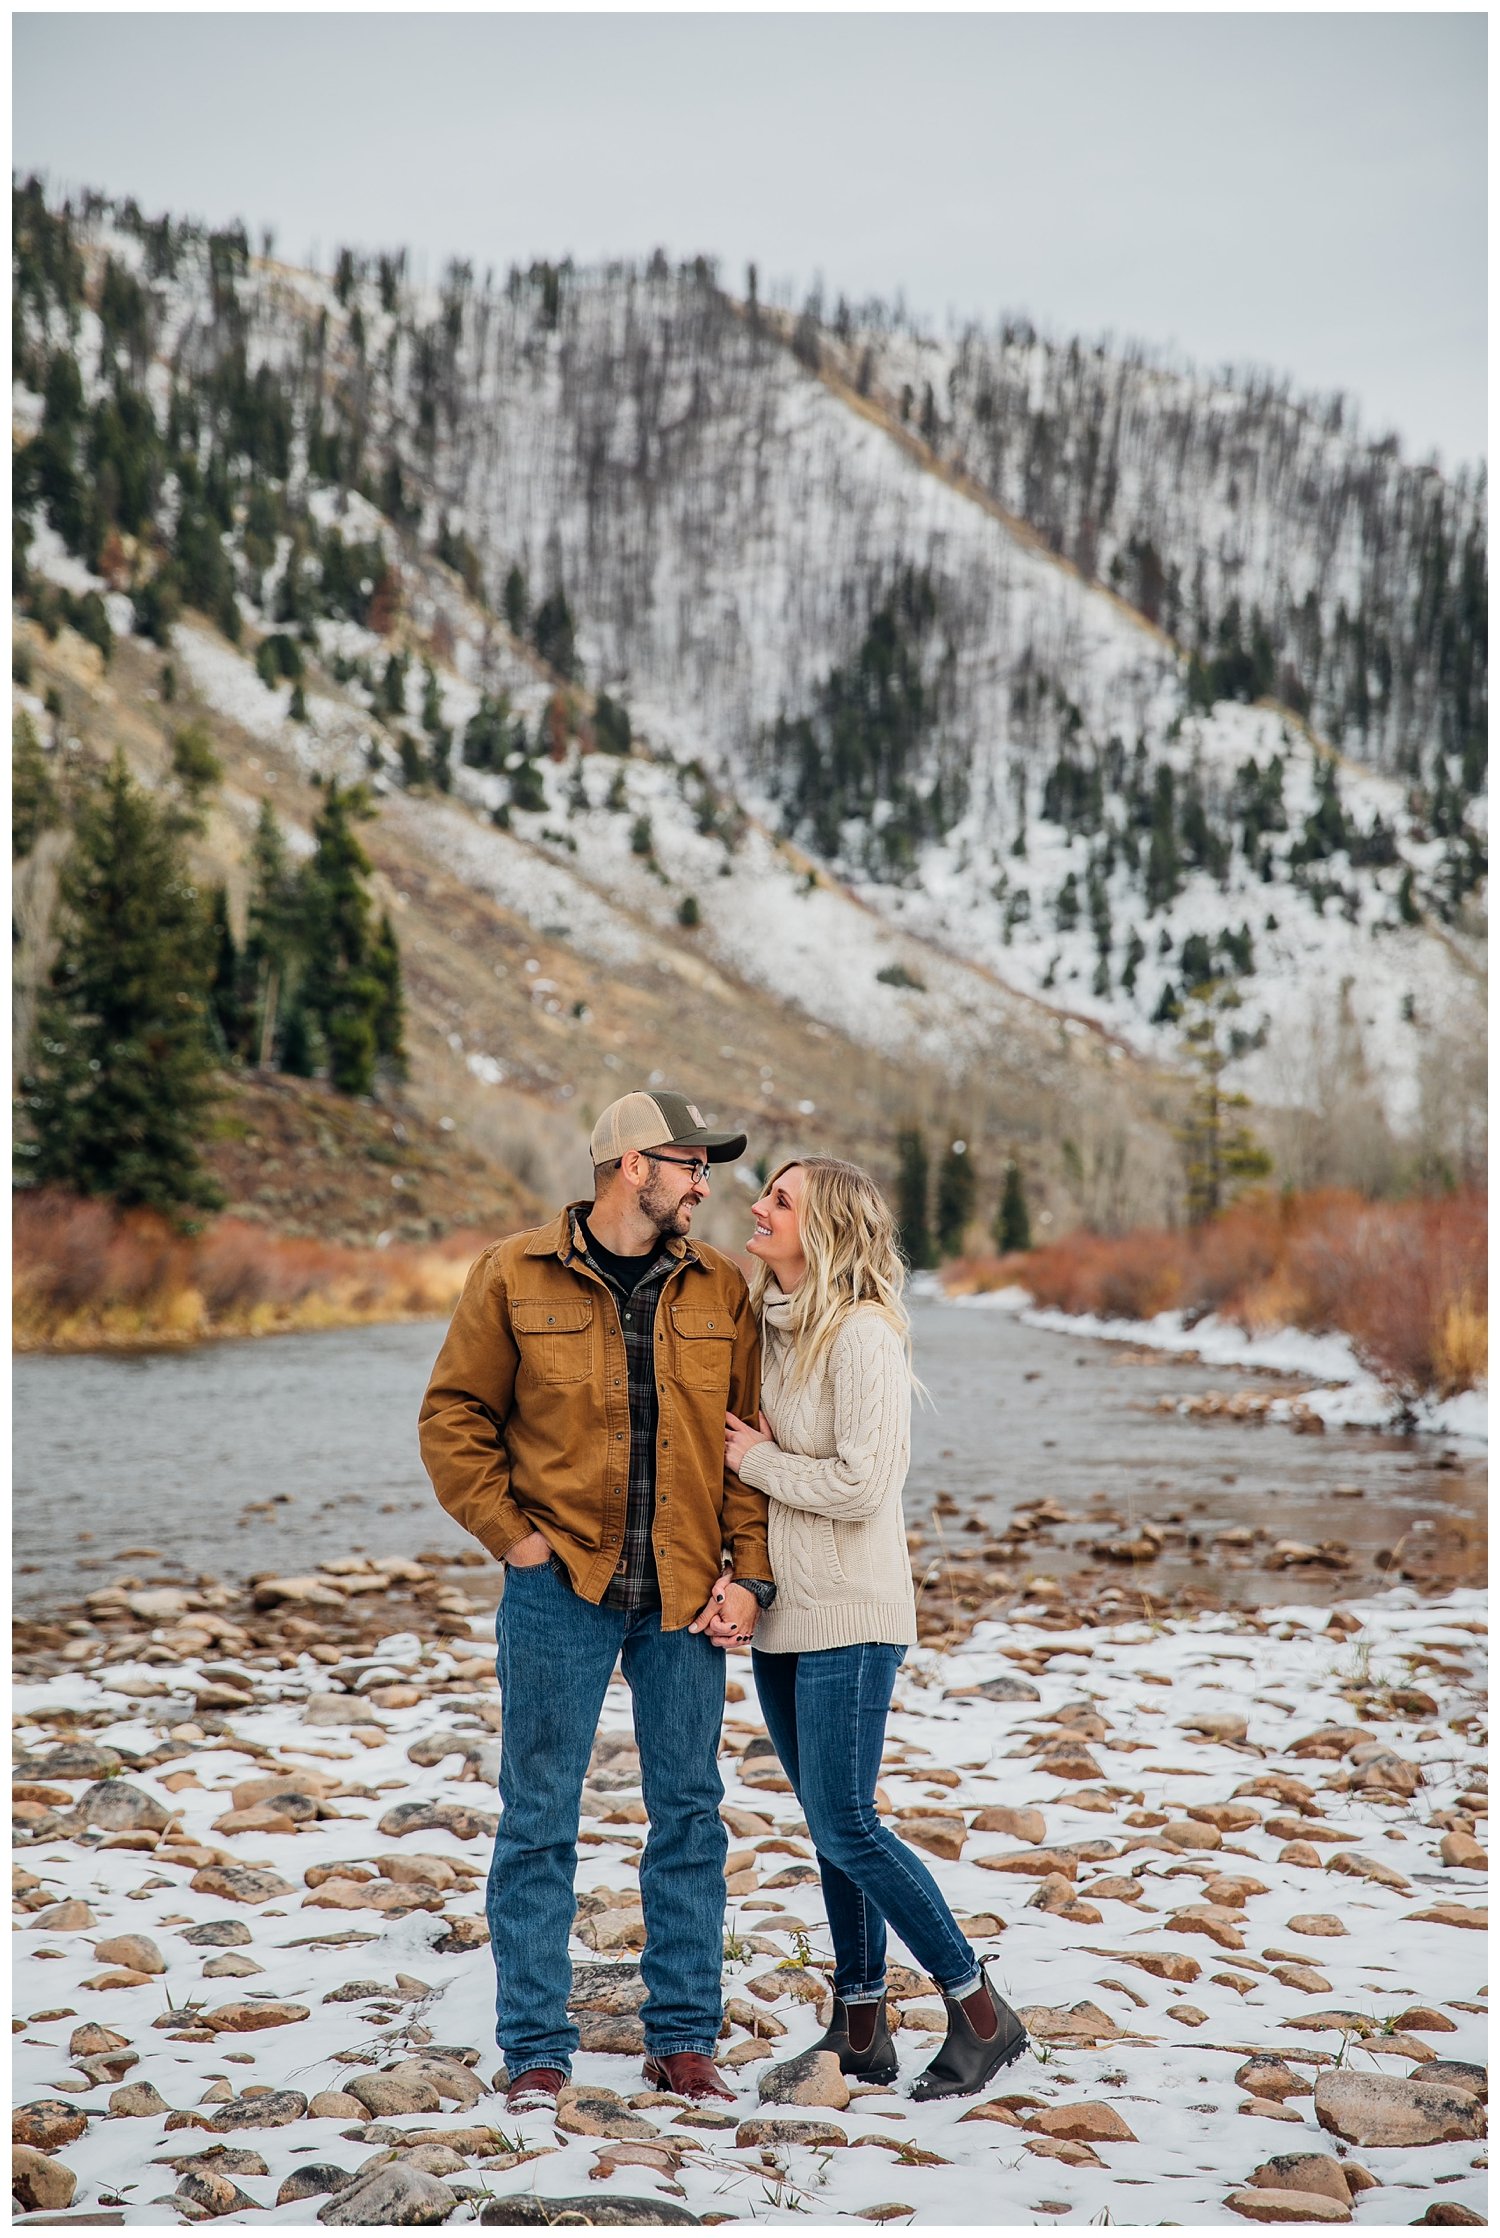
[{"x": 672, "y": 1218}]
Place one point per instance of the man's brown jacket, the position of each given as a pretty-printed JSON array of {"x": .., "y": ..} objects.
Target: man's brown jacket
[{"x": 526, "y": 1422}]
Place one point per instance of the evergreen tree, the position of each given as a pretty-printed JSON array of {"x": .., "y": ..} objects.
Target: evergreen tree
[
  {"x": 955, "y": 1198},
  {"x": 390, "y": 1014},
  {"x": 34, "y": 806},
  {"x": 117, "y": 1095},
  {"x": 343, "y": 991},
  {"x": 517, "y": 610},
  {"x": 552, "y": 634},
  {"x": 911, "y": 1197},
  {"x": 273, "y": 934},
  {"x": 1012, "y": 1229},
  {"x": 1220, "y": 1153},
  {"x": 231, "y": 1005}
]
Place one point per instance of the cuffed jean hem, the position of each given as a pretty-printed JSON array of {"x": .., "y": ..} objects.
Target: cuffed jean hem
[
  {"x": 560, "y": 2062},
  {"x": 865, "y": 1993},
  {"x": 965, "y": 1987},
  {"x": 706, "y": 2045}
]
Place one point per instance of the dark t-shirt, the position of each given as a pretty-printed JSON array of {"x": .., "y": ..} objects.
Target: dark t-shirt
[{"x": 623, "y": 1273}]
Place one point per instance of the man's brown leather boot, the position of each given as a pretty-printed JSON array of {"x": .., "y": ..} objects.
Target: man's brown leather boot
[
  {"x": 535, "y": 2091},
  {"x": 689, "y": 2074}
]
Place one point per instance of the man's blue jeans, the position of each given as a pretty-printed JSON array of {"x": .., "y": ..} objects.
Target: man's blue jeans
[
  {"x": 556, "y": 1654},
  {"x": 825, "y": 1713}
]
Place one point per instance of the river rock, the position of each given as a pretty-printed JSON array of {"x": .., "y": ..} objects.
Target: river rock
[
  {"x": 443, "y": 1818},
  {"x": 610, "y": 2032},
  {"x": 524, "y": 2208},
  {"x": 136, "y": 1951},
  {"x": 1316, "y": 1923},
  {"x": 118, "y": 1806},
  {"x": 1305, "y": 1978},
  {"x": 383, "y": 2095},
  {"x": 616, "y": 1988},
  {"x": 1082, "y": 2024},
  {"x": 1364, "y": 1868},
  {"x": 1460, "y": 2074},
  {"x": 940, "y": 1834},
  {"x": 777, "y": 2129},
  {"x": 138, "y": 2102},
  {"x": 1190, "y": 1833},
  {"x": 1450, "y": 2212},
  {"x": 1427, "y": 2020},
  {"x": 248, "y": 2014},
  {"x": 450, "y": 2078},
  {"x": 1040, "y": 1863},
  {"x": 217, "y": 1934},
  {"x": 1006, "y": 1687},
  {"x": 242, "y": 1884},
  {"x": 1069, "y": 1760},
  {"x": 223, "y": 2160},
  {"x": 232, "y": 1965},
  {"x": 90, "y": 2038},
  {"x": 1212, "y": 1920},
  {"x": 305, "y": 1592},
  {"x": 599, "y": 2113},
  {"x": 1070, "y": 2150},
  {"x": 1317, "y": 2172},
  {"x": 1026, "y": 1824},
  {"x": 813, "y": 2078},
  {"x": 1259, "y": 2204},
  {"x": 464, "y": 1933},
  {"x": 1268, "y": 2077},
  {"x": 391, "y": 2197},
  {"x": 1455, "y": 1915},
  {"x": 38, "y": 2183},
  {"x": 1394, "y": 2110},
  {"x": 216, "y": 2194},
  {"x": 1166, "y": 1965},
  {"x": 1216, "y": 1725},
  {"x": 275, "y": 2110},
  {"x": 313, "y": 2181},
  {"x": 337, "y": 2105},
  {"x": 1463, "y": 1850},
  {"x": 70, "y": 1760},
  {"x": 47, "y": 2124},
  {"x": 1089, "y": 2123},
  {"x": 65, "y": 1918}
]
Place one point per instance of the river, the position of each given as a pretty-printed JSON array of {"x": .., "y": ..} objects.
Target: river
[{"x": 275, "y": 1453}]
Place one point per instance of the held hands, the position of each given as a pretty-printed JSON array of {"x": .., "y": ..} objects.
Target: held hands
[
  {"x": 728, "y": 1615},
  {"x": 739, "y": 1438}
]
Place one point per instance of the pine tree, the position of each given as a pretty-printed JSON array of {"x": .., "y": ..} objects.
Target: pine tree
[
  {"x": 117, "y": 1095},
  {"x": 1220, "y": 1153},
  {"x": 231, "y": 1008},
  {"x": 911, "y": 1197},
  {"x": 390, "y": 1016},
  {"x": 955, "y": 1198},
  {"x": 273, "y": 933},
  {"x": 515, "y": 602},
  {"x": 1012, "y": 1229},
  {"x": 342, "y": 986},
  {"x": 34, "y": 803}
]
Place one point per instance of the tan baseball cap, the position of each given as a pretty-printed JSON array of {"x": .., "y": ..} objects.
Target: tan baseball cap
[{"x": 646, "y": 1120}]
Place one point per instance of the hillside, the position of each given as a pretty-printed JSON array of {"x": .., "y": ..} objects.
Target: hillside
[{"x": 908, "y": 798}]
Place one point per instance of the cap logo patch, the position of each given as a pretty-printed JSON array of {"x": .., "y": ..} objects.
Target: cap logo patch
[{"x": 696, "y": 1116}]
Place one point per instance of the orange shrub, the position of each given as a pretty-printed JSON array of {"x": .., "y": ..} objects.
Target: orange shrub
[
  {"x": 1404, "y": 1281},
  {"x": 87, "y": 1273}
]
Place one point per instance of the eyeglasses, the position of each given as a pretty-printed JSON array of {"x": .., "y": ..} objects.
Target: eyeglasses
[{"x": 697, "y": 1167}]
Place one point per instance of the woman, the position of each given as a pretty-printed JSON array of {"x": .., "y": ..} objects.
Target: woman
[{"x": 831, "y": 1455}]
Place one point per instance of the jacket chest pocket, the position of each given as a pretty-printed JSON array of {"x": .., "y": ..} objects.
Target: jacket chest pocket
[
  {"x": 556, "y": 1337},
  {"x": 703, "y": 1340}
]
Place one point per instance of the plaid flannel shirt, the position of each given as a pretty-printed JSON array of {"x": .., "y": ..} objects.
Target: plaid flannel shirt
[{"x": 634, "y": 1587}]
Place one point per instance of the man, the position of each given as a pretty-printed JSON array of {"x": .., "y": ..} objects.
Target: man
[{"x": 574, "y": 1424}]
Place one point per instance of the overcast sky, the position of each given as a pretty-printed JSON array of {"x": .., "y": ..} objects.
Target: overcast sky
[{"x": 1301, "y": 191}]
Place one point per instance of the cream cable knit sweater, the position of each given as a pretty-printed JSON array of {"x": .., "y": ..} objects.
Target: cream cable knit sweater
[{"x": 833, "y": 1479}]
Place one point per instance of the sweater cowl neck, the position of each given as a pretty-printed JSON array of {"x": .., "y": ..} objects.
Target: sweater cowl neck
[{"x": 776, "y": 1308}]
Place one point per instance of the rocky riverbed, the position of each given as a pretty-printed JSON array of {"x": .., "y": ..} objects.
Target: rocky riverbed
[{"x": 1231, "y": 1866}]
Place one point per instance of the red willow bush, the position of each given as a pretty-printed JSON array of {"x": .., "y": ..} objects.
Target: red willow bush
[
  {"x": 1406, "y": 1281},
  {"x": 87, "y": 1273}
]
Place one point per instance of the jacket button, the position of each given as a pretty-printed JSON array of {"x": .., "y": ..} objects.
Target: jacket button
[
  {"x": 620, "y": 1436},
  {"x": 550, "y": 1319}
]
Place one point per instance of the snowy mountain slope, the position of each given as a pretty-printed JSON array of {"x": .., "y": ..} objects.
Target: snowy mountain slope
[{"x": 812, "y": 624}]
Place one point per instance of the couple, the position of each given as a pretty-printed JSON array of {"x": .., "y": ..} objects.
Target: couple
[{"x": 670, "y": 1463}]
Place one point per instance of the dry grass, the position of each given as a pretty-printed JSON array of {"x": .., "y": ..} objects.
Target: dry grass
[
  {"x": 87, "y": 1274},
  {"x": 1404, "y": 1281}
]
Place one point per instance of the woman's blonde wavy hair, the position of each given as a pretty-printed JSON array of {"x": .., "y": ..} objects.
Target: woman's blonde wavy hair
[{"x": 853, "y": 1259}]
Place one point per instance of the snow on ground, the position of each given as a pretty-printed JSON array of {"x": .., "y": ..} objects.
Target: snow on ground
[
  {"x": 1353, "y": 1399},
  {"x": 1212, "y": 1915}
]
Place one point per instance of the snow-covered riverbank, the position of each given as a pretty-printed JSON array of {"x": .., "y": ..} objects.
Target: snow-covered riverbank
[
  {"x": 1343, "y": 1393},
  {"x": 1192, "y": 1844}
]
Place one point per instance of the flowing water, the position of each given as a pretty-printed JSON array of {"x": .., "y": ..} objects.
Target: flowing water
[{"x": 276, "y": 1453}]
